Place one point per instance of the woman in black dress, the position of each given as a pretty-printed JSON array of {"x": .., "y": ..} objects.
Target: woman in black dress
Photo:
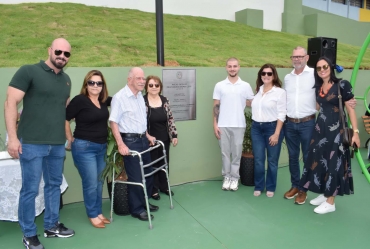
[
  {"x": 89, "y": 141},
  {"x": 327, "y": 170},
  {"x": 161, "y": 125}
]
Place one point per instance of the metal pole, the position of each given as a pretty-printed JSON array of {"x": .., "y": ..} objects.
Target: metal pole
[
  {"x": 328, "y": 6},
  {"x": 159, "y": 31},
  {"x": 347, "y": 8}
]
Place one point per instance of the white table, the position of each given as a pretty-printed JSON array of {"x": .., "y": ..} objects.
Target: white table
[{"x": 10, "y": 185}]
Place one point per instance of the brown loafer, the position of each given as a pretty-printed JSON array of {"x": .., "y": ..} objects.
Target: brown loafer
[
  {"x": 301, "y": 198},
  {"x": 97, "y": 223},
  {"x": 291, "y": 193}
]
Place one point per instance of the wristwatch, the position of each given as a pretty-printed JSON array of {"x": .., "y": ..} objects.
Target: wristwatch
[{"x": 357, "y": 131}]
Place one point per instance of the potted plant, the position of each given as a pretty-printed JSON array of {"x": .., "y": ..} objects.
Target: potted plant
[
  {"x": 246, "y": 169},
  {"x": 120, "y": 202}
]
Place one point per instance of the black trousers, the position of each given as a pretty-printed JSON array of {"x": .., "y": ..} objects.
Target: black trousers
[{"x": 160, "y": 179}]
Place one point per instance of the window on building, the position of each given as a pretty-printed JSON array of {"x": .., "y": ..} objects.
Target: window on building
[
  {"x": 368, "y": 4},
  {"x": 339, "y": 1},
  {"x": 356, "y": 3}
]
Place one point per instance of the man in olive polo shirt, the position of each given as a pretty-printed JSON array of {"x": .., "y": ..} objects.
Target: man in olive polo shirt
[{"x": 39, "y": 140}]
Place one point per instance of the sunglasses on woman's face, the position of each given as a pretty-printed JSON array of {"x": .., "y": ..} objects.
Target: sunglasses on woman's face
[
  {"x": 325, "y": 67},
  {"x": 97, "y": 83},
  {"x": 268, "y": 73},
  {"x": 152, "y": 85}
]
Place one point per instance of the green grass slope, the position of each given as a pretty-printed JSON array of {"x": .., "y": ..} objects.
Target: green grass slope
[{"x": 108, "y": 37}]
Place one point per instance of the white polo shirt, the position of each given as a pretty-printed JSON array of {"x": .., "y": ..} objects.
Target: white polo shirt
[
  {"x": 301, "y": 98},
  {"x": 270, "y": 106},
  {"x": 233, "y": 99}
]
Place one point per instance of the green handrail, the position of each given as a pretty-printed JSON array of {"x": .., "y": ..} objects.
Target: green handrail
[{"x": 353, "y": 83}]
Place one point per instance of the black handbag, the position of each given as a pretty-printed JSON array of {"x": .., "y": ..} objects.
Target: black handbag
[{"x": 347, "y": 132}]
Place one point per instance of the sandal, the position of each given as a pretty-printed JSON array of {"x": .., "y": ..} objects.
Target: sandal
[
  {"x": 257, "y": 193},
  {"x": 156, "y": 196},
  {"x": 270, "y": 194}
]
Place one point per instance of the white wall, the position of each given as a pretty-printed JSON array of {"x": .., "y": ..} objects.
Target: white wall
[{"x": 215, "y": 9}]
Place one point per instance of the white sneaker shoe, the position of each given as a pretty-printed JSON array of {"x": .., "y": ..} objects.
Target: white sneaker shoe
[
  {"x": 318, "y": 200},
  {"x": 226, "y": 183},
  {"x": 234, "y": 185},
  {"x": 324, "y": 208}
]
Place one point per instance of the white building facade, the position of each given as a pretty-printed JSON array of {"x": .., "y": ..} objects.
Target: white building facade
[{"x": 215, "y": 9}]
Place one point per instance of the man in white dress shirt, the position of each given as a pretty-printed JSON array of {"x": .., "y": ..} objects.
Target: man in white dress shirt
[
  {"x": 229, "y": 100},
  {"x": 128, "y": 123},
  {"x": 301, "y": 110}
]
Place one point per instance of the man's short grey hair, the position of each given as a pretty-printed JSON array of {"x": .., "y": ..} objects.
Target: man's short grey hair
[
  {"x": 131, "y": 73},
  {"x": 300, "y": 47}
]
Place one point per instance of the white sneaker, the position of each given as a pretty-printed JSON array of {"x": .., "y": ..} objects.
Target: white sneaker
[
  {"x": 318, "y": 200},
  {"x": 324, "y": 208},
  {"x": 226, "y": 183},
  {"x": 234, "y": 185}
]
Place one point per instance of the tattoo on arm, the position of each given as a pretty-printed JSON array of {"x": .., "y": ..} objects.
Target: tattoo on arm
[{"x": 216, "y": 111}]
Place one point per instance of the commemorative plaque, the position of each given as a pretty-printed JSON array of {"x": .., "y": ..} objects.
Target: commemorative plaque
[{"x": 179, "y": 87}]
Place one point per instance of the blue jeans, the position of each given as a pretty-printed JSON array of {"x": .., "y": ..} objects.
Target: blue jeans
[
  {"x": 136, "y": 198},
  {"x": 297, "y": 135},
  {"x": 89, "y": 159},
  {"x": 40, "y": 160},
  {"x": 261, "y": 132}
]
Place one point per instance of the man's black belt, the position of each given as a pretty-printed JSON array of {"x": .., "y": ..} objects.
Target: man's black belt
[
  {"x": 140, "y": 135},
  {"x": 301, "y": 120}
]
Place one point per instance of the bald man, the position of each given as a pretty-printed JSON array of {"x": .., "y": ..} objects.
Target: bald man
[
  {"x": 128, "y": 122},
  {"x": 39, "y": 140}
]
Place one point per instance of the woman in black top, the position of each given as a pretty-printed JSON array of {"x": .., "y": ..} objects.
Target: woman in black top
[
  {"x": 161, "y": 125},
  {"x": 89, "y": 141}
]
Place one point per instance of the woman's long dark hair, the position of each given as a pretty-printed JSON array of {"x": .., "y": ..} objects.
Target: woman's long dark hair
[
  {"x": 276, "y": 81},
  {"x": 333, "y": 78}
]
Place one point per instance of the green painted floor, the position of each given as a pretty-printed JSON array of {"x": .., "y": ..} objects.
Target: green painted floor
[{"x": 204, "y": 216}]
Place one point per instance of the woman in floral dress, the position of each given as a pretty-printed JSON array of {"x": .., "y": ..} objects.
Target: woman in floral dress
[{"x": 327, "y": 170}]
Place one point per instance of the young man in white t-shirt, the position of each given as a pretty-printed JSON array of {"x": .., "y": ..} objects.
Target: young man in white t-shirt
[{"x": 230, "y": 97}]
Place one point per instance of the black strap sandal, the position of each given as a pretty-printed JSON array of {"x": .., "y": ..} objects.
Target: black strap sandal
[{"x": 156, "y": 196}]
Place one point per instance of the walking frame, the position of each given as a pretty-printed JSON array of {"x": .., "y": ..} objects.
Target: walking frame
[{"x": 164, "y": 167}]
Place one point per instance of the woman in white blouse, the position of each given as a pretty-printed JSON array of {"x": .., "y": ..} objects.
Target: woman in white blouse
[{"x": 268, "y": 114}]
